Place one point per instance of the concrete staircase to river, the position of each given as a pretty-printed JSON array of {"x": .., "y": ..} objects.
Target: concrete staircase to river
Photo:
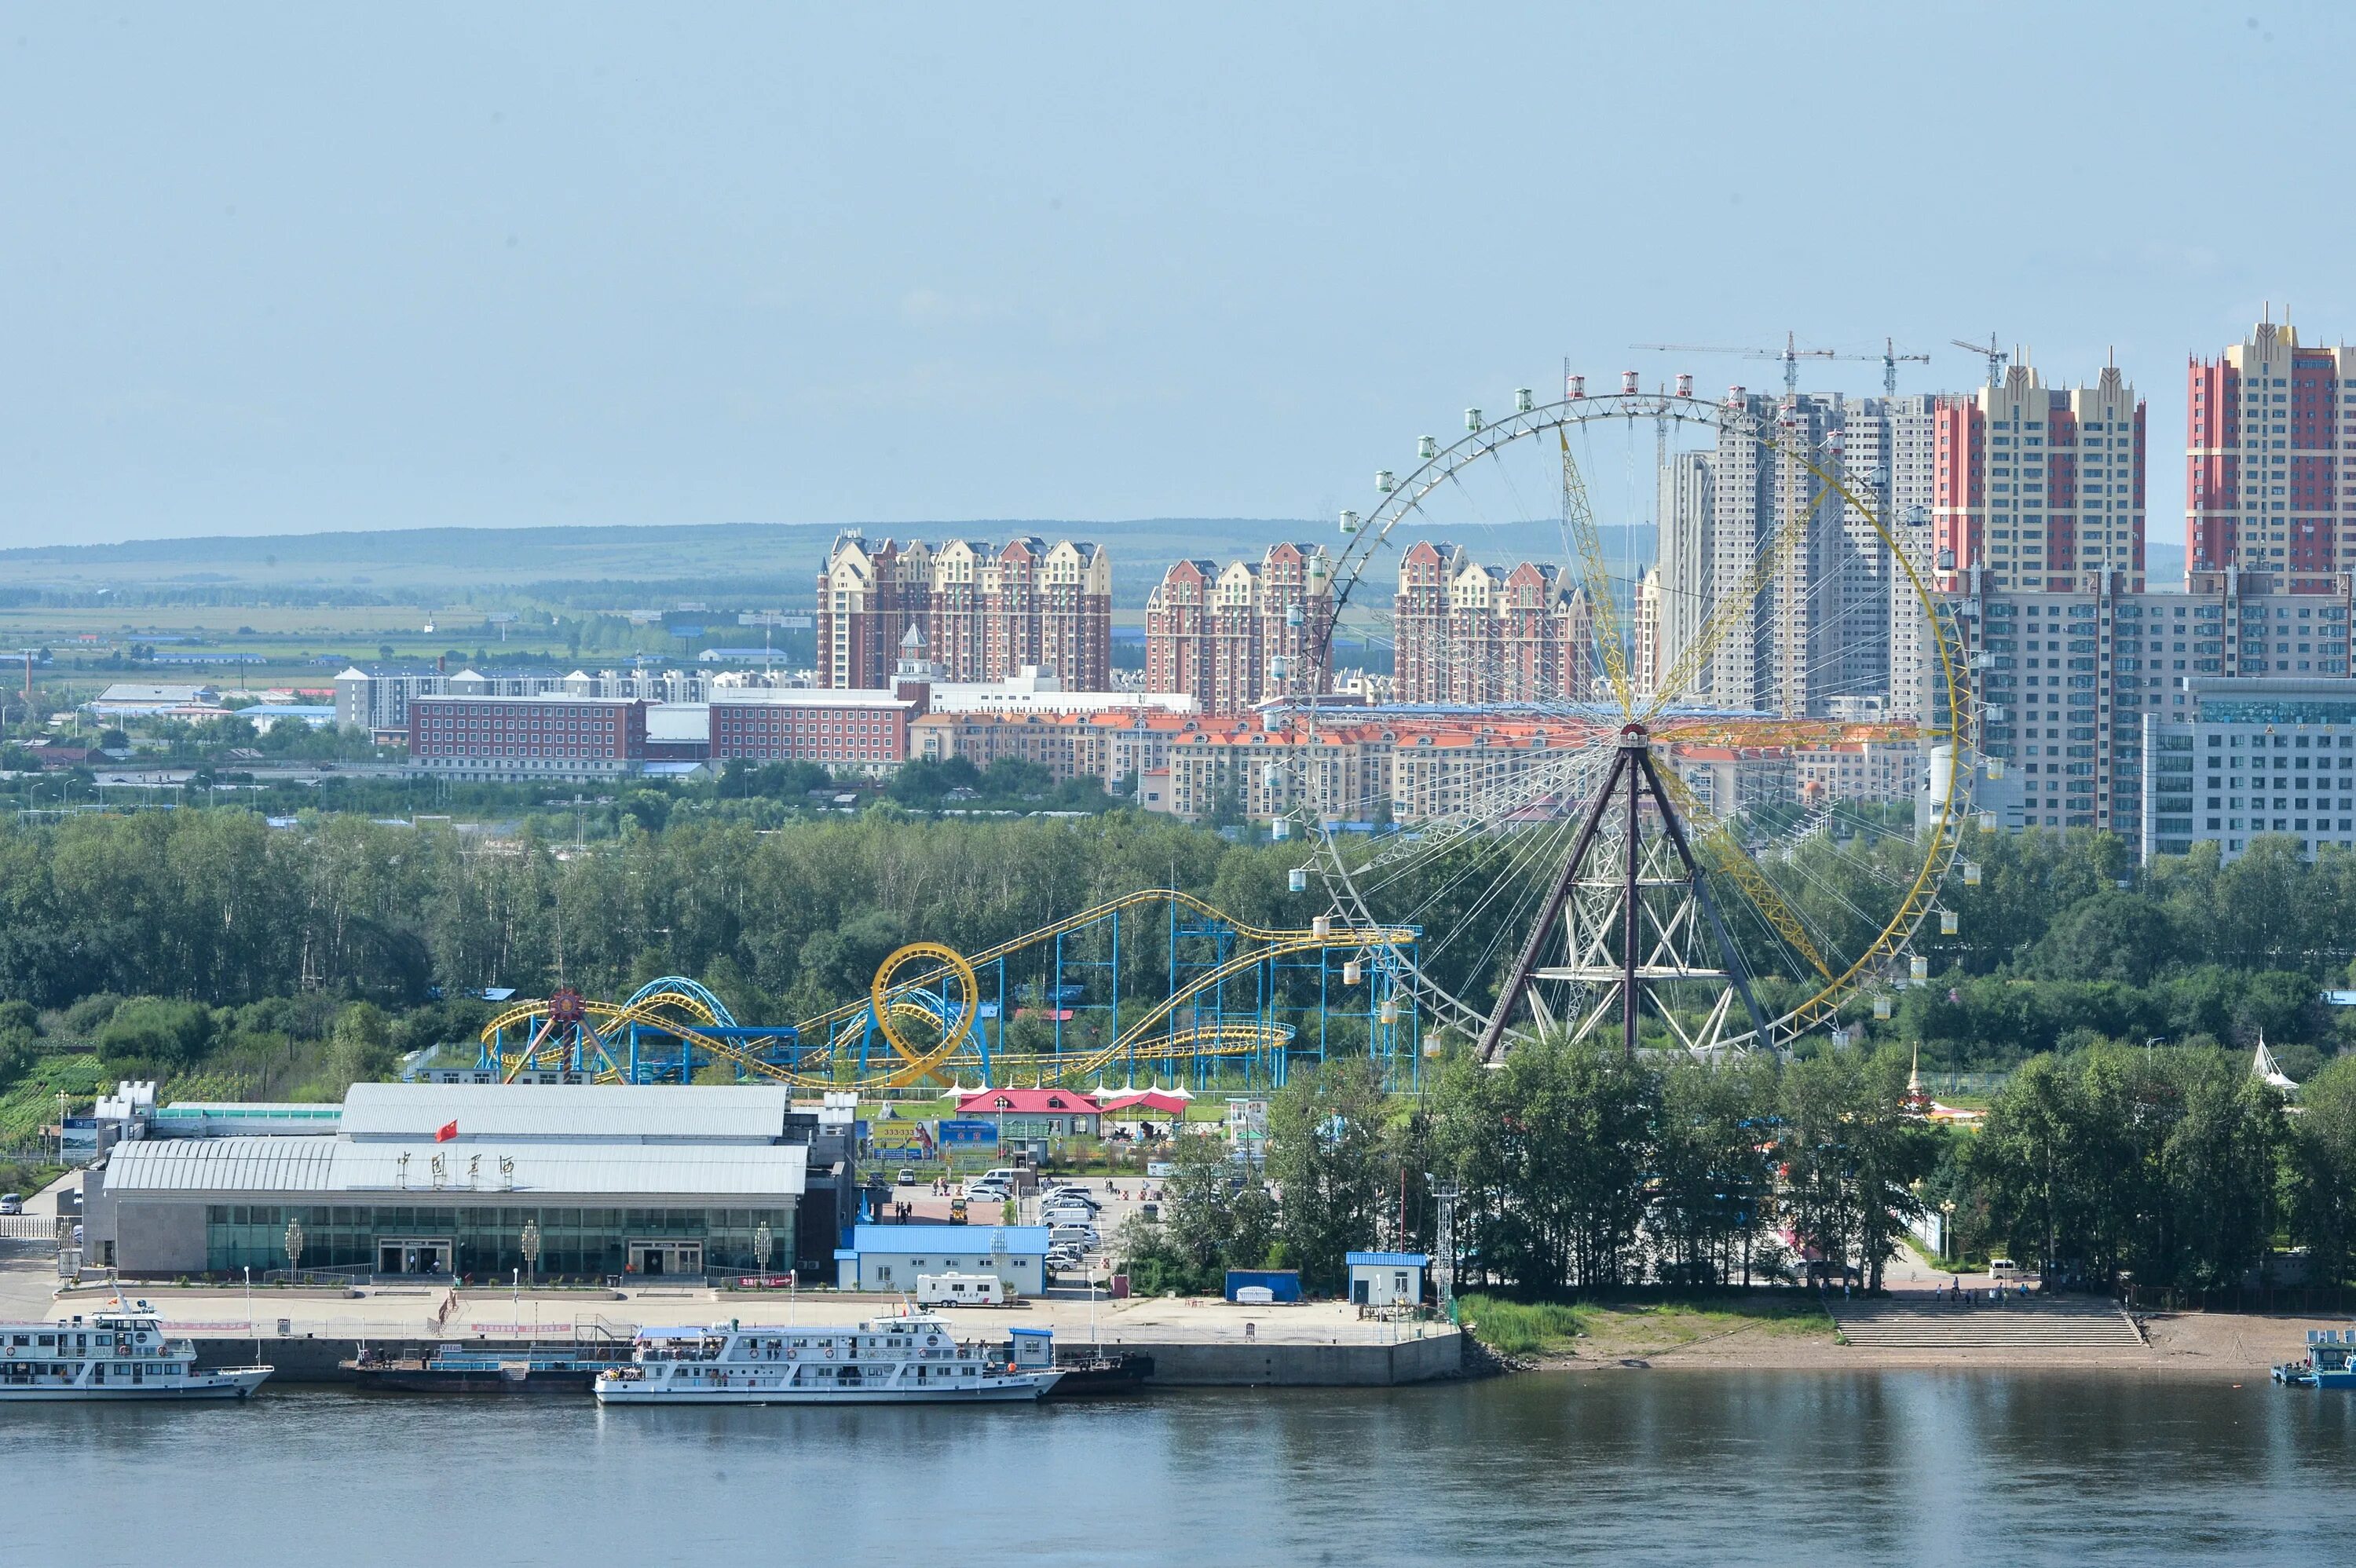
[{"x": 1922, "y": 1323}]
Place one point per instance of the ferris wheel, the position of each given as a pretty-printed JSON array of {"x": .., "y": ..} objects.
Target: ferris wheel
[{"x": 1679, "y": 716}]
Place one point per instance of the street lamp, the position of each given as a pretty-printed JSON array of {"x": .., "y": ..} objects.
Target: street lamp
[
  {"x": 762, "y": 1240},
  {"x": 294, "y": 1246},
  {"x": 1947, "y": 1228}
]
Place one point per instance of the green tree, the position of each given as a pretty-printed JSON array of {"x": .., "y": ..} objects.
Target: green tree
[
  {"x": 360, "y": 1046},
  {"x": 2322, "y": 1169},
  {"x": 1551, "y": 1151},
  {"x": 1853, "y": 1148},
  {"x": 155, "y": 1031},
  {"x": 1713, "y": 1175},
  {"x": 1325, "y": 1155},
  {"x": 1197, "y": 1206}
]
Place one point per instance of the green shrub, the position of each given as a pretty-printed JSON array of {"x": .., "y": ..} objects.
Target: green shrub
[{"x": 150, "y": 1030}]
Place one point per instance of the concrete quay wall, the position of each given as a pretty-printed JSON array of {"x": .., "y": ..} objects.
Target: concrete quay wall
[
  {"x": 1225, "y": 1363},
  {"x": 1242, "y": 1363}
]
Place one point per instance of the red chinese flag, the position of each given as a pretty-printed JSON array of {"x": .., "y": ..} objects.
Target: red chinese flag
[{"x": 446, "y": 1133}]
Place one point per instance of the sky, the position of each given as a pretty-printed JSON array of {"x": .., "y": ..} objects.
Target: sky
[{"x": 281, "y": 270}]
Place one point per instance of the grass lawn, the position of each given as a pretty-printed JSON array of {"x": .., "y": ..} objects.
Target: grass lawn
[{"x": 1553, "y": 1328}]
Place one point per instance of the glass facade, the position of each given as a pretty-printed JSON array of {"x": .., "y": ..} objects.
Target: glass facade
[
  {"x": 485, "y": 1240},
  {"x": 2278, "y": 709}
]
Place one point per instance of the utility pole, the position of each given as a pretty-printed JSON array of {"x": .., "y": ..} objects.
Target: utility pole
[{"x": 1443, "y": 1243}]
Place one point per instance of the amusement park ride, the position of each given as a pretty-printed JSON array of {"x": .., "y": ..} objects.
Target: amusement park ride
[
  {"x": 1158, "y": 982},
  {"x": 1594, "y": 887}
]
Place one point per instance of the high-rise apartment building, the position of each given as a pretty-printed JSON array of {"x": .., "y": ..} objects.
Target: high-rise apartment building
[
  {"x": 1892, "y": 447},
  {"x": 2038, "y": 486},
  {"x": 1464, "y": 633},
  {"x": 1419, "y": 621},
  {"x": 985, "y": 613},
  {"x": 1650, "y": 643},
  {"x": 1683, "y": 572},
  {"x": 1818, "y": 636},
  {"x": 1177, "y": 631},
  {"x": 2069, "y": 680},
  {"x": 1236, "y": 635},
  {"x": 2264, "y": 483}
]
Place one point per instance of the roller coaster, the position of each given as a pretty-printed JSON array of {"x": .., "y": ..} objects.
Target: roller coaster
[{"x": 1158, "y": 981}]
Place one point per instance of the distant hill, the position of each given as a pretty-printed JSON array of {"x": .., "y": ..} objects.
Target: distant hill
[{"x": 739, "y": 563}]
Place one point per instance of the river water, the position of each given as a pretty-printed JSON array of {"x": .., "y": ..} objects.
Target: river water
[{"x": 1629, "y": 1467}]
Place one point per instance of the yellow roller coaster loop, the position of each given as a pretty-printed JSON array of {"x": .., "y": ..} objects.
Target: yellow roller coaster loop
[{"x": 880, "y": 993}]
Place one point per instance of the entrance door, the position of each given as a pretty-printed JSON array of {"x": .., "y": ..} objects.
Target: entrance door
[
  {"x": 1358, "y": 1291},
  {"x": 428, "y": 1256},
  {"x": 656, "y": 1260}
]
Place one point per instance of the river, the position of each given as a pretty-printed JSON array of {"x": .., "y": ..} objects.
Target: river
[{"x": 1629, "y": 1467}]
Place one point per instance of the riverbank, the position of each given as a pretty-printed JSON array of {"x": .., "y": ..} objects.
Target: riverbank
[{"x": 1670, "y": 1338}]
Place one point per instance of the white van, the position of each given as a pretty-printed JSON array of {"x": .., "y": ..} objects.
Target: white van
[
  {"x": 960, "y": 1290},
  {"x": 1081, "y": 1236},
  {"x": 2004, "y": 1271}
]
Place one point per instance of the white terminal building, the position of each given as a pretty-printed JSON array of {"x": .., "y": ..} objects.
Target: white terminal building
[{"x": 447, "y": 1181}]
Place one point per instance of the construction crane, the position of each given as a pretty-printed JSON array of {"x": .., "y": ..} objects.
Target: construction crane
[
  {"x": 1997, "y": 357},
  {"x": 1791, "y": 354},
  {"x": 1891, "y": 360}
]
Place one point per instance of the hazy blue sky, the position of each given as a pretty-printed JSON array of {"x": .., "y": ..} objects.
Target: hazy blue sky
[{"x": 267, "y": 270}]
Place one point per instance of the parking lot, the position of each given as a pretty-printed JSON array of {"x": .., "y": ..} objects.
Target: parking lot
[{"x": 1119, "y": 1198}]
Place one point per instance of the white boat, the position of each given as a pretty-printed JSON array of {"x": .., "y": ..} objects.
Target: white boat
[
  {"x": 118, "y": 1354},
  {"x": 909, "y": 1358}
]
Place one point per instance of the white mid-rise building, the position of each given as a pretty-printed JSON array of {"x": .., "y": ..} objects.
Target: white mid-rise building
[{"x": 2249, "y": 756}]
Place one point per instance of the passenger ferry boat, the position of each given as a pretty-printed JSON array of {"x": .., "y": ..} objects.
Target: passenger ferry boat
[
  {"x": 2330, "y": 1361},
  {"x": 113, "y": 1355},
  {"x": 910, "y": 1357}
]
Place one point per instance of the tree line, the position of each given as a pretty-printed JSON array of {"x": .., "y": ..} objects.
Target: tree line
[
  {"x": 1578, "y": 1169},
  {"x": 785, "y": 912},
  {"x": 1575, "y": 1168}
]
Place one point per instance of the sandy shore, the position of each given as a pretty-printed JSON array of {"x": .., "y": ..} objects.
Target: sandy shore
[{"x": 2227, "y": 1345}]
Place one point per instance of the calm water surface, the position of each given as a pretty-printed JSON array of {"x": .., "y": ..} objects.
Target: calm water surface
[{"x": 1638, "y": 1468}]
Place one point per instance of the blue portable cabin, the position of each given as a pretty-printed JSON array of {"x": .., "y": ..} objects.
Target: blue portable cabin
[{"x": 1387, "y": 1279}]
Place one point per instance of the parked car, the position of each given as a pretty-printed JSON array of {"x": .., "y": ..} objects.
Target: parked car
[
  {"x": 1081, "y": 1218},
  {"x": 1073, "y": 1234},
  {"x": 1071, "y": 1195},
  {"x": 907, "y": 1177},
  {"x": 11, "y": 1202}
]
